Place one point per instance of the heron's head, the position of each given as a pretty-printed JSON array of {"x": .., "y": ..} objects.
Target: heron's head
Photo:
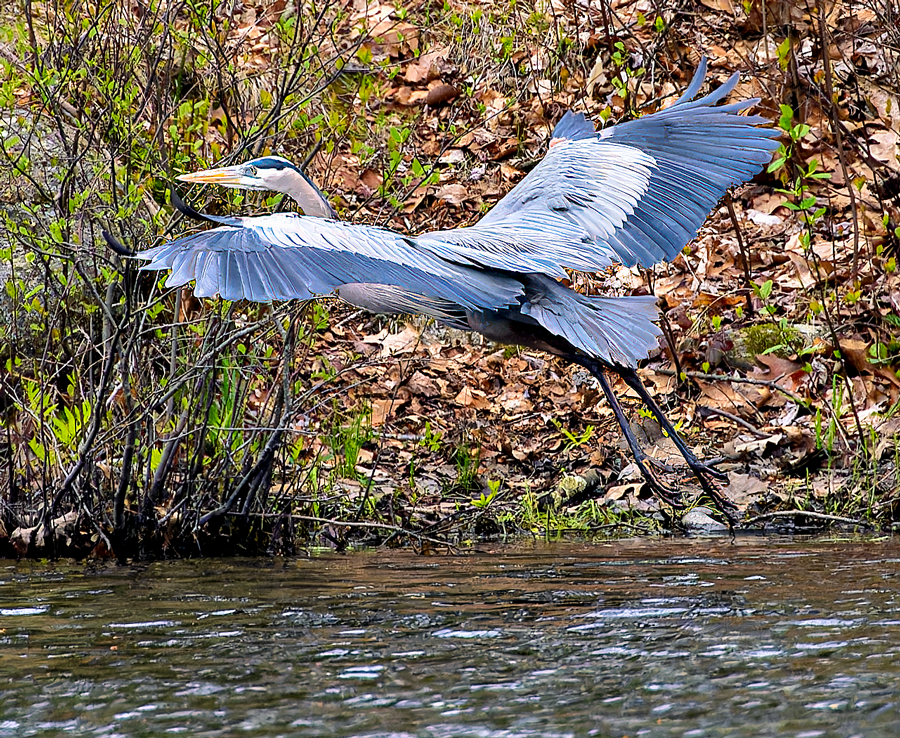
[
  {"x": 266, "y": 173},
  {"x": 271, "y": 173}
]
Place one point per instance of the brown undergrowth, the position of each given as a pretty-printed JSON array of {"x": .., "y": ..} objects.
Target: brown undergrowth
[{"x": 141, "y": 423}]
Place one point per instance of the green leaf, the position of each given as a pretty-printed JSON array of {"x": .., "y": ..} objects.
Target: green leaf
[
  {"x": 783, "y": 51},
  {"x": 764, "y": 290},
  {"x": 787, "y": 115}
]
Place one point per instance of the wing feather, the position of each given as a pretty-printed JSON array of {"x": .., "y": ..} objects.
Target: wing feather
[
  {"x": 636, "y": 192},
  {"x": 285, "y": 256}
]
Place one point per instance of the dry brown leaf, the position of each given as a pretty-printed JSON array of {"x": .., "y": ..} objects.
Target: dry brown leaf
[
  {"x": 415, "y": 199},
  {"x": 455, "y": 194},
  {"x": 891, "y": 377},
  {"x": 407, "y": 96},
  {"x": 744, "y": 489},
  {"x": 788, "y": 374},
  {"x": 513, "y": 400},
  {"x": 805, "y": 276},
  {"x": 723, "y": 6},
  {"x": 381, "y": 410},
  {"x": 767, "y": 202},
  {"x": 597, "y": 76},
  {"x": 393, "y": 344},
  {"x": 758, "y": 445},
  {"x": 723, "y": 396},
  {"x": 441, "y": 93},
  {"x": 889, "y": 431},
  {"x": 884, "y": 146},
  {"x": 394, "y": 37},
  {"x": 474, "y": 398},
  {"x": 857, "y": 353},
  {"x": 620, "y": 491},
  {"x": 886, "y": 104},
  {"x": 452, "y": 156},
  {"x": 776, "y": 367},
  {"x": 422, "y": 385},
  {"x": 509, "y": 172},
  {"x": 371, "y": 180},
  {"x": 502, "y": 149},
  {"x": 425, "y": 68}
]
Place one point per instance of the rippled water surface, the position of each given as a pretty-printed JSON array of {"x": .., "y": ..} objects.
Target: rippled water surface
[{"x": 761, "y": 637}]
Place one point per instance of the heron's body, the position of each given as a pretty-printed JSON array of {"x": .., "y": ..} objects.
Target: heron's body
[{"x": 634, "y": 193}]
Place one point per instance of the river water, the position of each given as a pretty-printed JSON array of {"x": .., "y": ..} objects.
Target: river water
[{"x": 701, "y": 637}]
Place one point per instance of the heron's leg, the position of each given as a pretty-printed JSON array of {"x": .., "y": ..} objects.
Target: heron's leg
[
  {"x": 701, "y": 471},
  {"x": 667, "y": 494},
  {"x": 634, "y": 381}
]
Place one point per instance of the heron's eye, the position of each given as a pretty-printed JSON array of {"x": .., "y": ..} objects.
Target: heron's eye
[{"x": 248, "y": 170}]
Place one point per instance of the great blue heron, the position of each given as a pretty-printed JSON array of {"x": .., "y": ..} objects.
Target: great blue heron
[{"x": 634, "y": 193}]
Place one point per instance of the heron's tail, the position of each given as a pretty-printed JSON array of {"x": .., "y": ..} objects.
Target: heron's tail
[{"x": 617, "y": 330}]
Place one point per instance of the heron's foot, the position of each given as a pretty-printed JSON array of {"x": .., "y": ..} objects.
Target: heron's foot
[
  {"x": 657, "y": 488},
  {"x": 667, "y": 495},
  {"x": 659, "y": 465},
  {"x": 699, "y": 468},
  {"x": 711, "y": 481}
]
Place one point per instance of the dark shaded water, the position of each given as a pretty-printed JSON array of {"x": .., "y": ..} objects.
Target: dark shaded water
[{"x": 764, "y": 637}]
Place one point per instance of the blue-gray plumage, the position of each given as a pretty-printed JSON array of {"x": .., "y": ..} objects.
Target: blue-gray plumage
[{"x": 633, "y": 193}]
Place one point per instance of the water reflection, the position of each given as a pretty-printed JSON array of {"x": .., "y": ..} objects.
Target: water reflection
[{"x": 637, "y": 638}]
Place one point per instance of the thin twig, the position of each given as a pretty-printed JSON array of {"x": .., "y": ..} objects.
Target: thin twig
[
  {"x": 745, "y": 259},
  {"x": 341, "y": 323},
  {"x": 738, "y": 380},
  {"x": 735, "y": 419},
  {"x": 807, "y": 514},
  {"x": 91, "y": 435},
  {"x": 670, "y": 342}
]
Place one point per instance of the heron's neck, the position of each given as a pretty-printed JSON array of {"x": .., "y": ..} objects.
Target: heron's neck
[{"x": 309, "y": 197}]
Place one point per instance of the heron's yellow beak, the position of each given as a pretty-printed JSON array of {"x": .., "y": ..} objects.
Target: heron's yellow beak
[{"x": 222, "y": 176}]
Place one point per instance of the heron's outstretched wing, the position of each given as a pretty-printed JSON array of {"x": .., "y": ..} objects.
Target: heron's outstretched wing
[
  {"x": 636, "y": 192},
  {"x": 286, "y": 256}
]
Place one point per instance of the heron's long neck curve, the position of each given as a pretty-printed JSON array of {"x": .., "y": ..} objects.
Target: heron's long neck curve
[{"x": 309, "y": 197}]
